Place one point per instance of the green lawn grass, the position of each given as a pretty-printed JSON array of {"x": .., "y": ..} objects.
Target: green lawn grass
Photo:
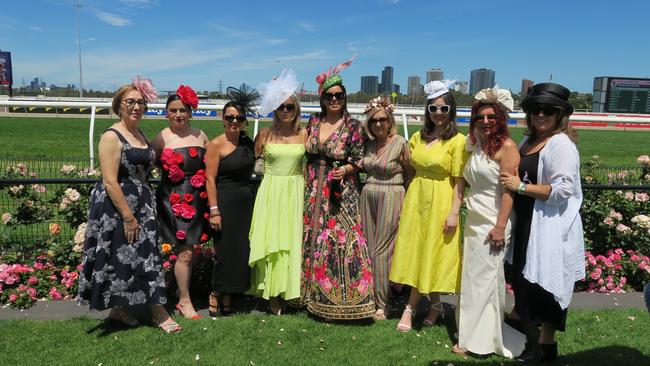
[
  {"x": 592, "y": 338},
  {"x": 68, "y": 137}
]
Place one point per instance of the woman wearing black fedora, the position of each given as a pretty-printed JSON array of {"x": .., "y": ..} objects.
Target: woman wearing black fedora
[{"x": 546, "y": 261}]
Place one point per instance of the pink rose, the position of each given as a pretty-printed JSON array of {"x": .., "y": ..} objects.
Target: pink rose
[
  {"x": 177, "y": 209},
  {"x": 188, "y": 212},
  {"x": 174, "y": 198},
  {"x": 32, "y": 292},
  {"x": 13, "y": 297},
  {"x": 203, "y": 194},
  {"x": 166, "y": 264},
  {"x": 54, "y": 294},
  {"x": 175, "y": 173},
  {"x": 32, "y": 280},
  {"x": 188, "y": 197},
  {"x": 180, "y": 234},
  {"x": 173, "y": 257}
]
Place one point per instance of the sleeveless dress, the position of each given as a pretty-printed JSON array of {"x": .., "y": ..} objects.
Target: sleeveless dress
[
  {"x": 381, "y": 204},
  {"x": 115, "y": 273},
  {"x": 181, "y": 198},
  {"x": 481, "y": 329},
  {"x": 277, "y": 225},
  {"x": 231, "y": 274},
  {"x": 337, "y": 279},
  {"x": 425, "y": 258},
  {"x": 532, "y": 302}
]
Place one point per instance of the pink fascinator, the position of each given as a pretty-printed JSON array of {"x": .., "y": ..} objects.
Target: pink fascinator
[
  {"x": 331, "y": 77},
  {"x": 188, "y": 96},
  {"x": 145, "y": 87}
]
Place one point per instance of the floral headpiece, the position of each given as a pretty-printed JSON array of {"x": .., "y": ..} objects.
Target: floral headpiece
[
  {"x": 436, "y": 88},
  {"x": 246, "y": 97},
  {"x": 379, "y": 103},
  {"x": 496, "y": 95},
  {"x": 188, "y": 96},
  {"x": 330, "y": 78},
  {"x": 277, "y": 91},
  {"x": 145, "y": 87}
]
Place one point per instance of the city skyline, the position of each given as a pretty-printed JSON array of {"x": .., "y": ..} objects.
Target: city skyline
[{"x": 215, "y": 44}]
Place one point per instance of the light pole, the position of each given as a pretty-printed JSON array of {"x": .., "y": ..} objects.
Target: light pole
[{"x": 81, "y": 88}]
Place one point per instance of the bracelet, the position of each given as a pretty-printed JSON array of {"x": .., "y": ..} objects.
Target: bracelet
[
  {"x": 522, "y": 188},
  {"x": 215, "y": 214},
  {"x": 215, "y": 207},
  {"x": 129, "y": 220}
]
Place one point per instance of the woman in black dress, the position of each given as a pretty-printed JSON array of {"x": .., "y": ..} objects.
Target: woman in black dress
[
  {"x": 181, "y": 197},
  {"x": 122, "y": 264},
  {"x": 229, "y": 165}
]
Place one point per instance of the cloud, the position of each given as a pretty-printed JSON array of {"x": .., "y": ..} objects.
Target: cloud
[
  {"x": 275, "y": 41},
  {"x": 35, "y": 29},
  {"x": 112, "y": 18},
  {"x": 306, "y": 26},
  {"x": 139, "y": 3}
]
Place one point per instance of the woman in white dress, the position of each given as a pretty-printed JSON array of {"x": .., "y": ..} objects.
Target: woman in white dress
[{"x": 481, "y": 327}]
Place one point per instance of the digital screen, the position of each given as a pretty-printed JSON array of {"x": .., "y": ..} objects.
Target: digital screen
[
  {"x": 5, "y": 68},
  {"x": 628, "y": 96}
]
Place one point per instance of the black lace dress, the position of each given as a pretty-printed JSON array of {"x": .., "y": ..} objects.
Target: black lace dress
[{"x": 115, "y": 273}]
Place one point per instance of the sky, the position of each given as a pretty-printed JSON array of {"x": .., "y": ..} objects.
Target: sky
[{"x": 208, "y": 44}]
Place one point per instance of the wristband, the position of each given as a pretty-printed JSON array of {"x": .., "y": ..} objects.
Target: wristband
[
  {"x": 215, "y": 214},
  {"x": 215, "y": 207},
  {"x": 522, "y": 188}
]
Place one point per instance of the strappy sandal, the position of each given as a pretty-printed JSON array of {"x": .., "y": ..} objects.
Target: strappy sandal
[
  {"x": 459, "y": 351},
  {"x": 401, "y": 327},
  {"x": 194, "y": 316},
  {"x": 431, "y": 322},
  {"x": 213, "y": 304},
  {"x": 122, "y": 316},
  {"x": 168, "y": 325},
  {"x": 226, "y": 309},
  {"x": 379, "y": 314}
]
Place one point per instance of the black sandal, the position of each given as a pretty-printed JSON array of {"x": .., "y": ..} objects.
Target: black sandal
[{"x": 213, "y": 304}]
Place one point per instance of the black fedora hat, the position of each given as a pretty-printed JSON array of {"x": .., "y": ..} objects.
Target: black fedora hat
[{"x": 548, "y": 94}]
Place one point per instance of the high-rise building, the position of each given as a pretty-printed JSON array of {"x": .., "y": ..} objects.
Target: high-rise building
[
  {"x": 387, "y": 80},
  {"x": 435, "y": 74},
  {"x": 525, "y": 85},
  {"x": 395, "y": 89},
  {"x": 370, "y": 84},
  {"x": 481, "y": 79},
  {"x": 462, "y": 87},
  {"x": 414, "y": 87}
]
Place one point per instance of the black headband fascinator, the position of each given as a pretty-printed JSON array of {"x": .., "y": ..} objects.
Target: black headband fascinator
[{"x": 246, "y": 97}]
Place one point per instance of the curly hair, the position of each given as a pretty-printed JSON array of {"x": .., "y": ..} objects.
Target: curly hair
[{"x": 501, "y": 132}]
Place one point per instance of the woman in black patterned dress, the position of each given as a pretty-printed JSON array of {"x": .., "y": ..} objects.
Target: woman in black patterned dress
[{"x": 122, "y": 264}]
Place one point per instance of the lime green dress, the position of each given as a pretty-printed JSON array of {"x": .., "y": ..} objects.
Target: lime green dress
[
  {"x": 425, "y": 258},
  {"x": 277, "y": 226}
]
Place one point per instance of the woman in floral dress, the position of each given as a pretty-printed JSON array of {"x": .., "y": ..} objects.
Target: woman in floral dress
[
  {"x": 181, "y": 197},
  {"x": 337, "y": 281}
]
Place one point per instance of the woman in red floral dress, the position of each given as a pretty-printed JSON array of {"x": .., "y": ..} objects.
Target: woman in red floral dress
[
  {"x": 181, "y": 197},
  {"x": 337, "y": 280}
]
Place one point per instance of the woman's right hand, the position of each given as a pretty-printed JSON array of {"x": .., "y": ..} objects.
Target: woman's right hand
[
  {"x": 131, "y": 229},
  {"x": 215, "y": 222}
]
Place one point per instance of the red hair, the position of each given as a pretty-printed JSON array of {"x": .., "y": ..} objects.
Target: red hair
[{"x": 501, "y": 133}]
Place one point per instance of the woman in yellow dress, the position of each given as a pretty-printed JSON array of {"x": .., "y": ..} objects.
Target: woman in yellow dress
[{"x": 427, "y": 251}]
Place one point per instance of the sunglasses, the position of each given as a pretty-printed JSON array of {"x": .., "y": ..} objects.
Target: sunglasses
[
  {"x": 330, "y": 96},
  {"x": 547, "y": 110},
  {"x": 481, "y": 117},
  {"x": 176, "y": 110},
  {"x": 382, "y": 120},
  {"x": 132, "y": 102},
  {"x": 444, "y": 109},
  {"x": 231, "y": 119},
  {"x": 288, "y": 107}
]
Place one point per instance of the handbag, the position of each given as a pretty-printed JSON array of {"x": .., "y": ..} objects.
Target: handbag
[{"x": 258, "y": 169}]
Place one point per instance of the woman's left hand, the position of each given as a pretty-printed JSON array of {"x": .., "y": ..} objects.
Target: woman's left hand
[
  {"x": 450, "y": 223},
  {"x": 339, "y": 172},
  {"x": 509, "y": 181},
  {"x": 497, "y": 238}
]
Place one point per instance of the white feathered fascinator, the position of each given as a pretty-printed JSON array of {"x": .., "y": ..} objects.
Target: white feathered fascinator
[
  {"x": 277, "y": 91},
  {"x": 436, "y": 88}
]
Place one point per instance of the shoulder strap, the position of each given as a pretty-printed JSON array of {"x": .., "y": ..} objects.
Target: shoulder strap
[{"x": 119, "y": 135}]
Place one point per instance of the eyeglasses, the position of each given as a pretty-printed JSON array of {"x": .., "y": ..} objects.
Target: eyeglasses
[
  {"x": 382, "y": 120},
  {"x": 547, "y": 110},
  {"x": 444, "y": 109},
  {"x": 176, "y": 110},
  {"x": 330, "y": 96},
  {"x": 231, "y": 119},
  {"x": 132, "y": 102},
  {"x": 288, "y": 107},
  {"x": 490, "y": 117}
]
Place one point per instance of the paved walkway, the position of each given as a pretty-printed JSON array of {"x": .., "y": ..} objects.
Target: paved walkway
[{"x": 47, "y": 310}]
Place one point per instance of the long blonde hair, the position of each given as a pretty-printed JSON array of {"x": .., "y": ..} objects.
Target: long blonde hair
[{"x": 275, "y": 126}]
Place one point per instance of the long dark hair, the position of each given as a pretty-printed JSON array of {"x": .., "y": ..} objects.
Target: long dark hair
[
  {"x": 429, "y": 127},
  {"x": 323, "y": 111},
  {"x": 501, "y": 132},
  {"x": 239, "y": 109}
]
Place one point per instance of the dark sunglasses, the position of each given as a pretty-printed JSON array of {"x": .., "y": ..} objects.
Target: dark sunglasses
[
  {"x": 382, "y": 121},
  {"x": 547, "y": 110},
  {"x": 288, "y": 107},
  {"x": 330, "y": 96},
  {"x": 231, "y": 119},
  {"x": 444, "y": 109},
  {"x": 481, "y": 117}
]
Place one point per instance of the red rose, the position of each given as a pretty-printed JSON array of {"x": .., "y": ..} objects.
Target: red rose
[
  {"x": 188, "y": 211},
  {"x": 206, "y": 216},
  {"x": 177, "y": 209},
  {"x": 166, "y": 155},
  {"x": 204, "y": 237},
  {"x": 180, "y": 234},
  {"x": 188, "y": 197},
  {"x": 331, "y": 223},
  {"x": 203, "y": 194},
  {"x": 306, "y": 220},
  {"x": 174, "y": 198},
  {"x": 193, "y": 152},
  {"x": 197, "y": 181},
  {"x": 326, "y": 191},
  {"x": 178, "y": 158},
  {"x": 175, "y": 173},
  {"x": 165, "y": 166},
  {"x": 188, "y": 96}
]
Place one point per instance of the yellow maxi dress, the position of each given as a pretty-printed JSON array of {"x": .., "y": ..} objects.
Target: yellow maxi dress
[{"x": 425, "y": 258}]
